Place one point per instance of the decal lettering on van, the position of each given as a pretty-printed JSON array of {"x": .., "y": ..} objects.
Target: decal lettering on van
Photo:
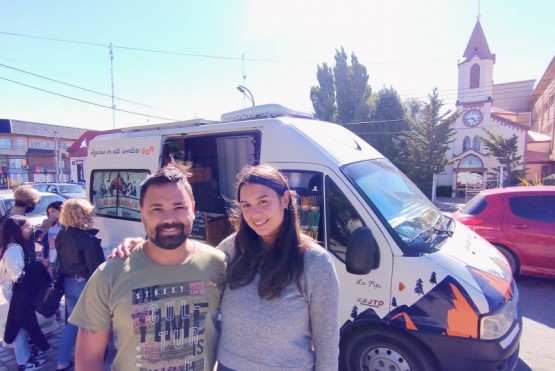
[
  {"x": 370, "y": 283},
  {"x": 118, "y": 151},
  {"x": 374, "y": 303}
]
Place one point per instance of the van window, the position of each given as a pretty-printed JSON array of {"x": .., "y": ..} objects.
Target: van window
[
  {"x": 539, "y": 208},
  {"x": 413, "y": 219},
  {"x": 342, "y": 219},
  {"x": 115, "y": 193},
  {"x": 307, "y": 187}
]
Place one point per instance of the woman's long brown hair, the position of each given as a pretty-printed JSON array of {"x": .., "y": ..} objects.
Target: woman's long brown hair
[{"x": 278, "y": 266}]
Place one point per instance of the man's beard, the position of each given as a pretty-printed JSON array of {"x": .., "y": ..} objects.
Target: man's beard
[{"x": 170, "y": 242}]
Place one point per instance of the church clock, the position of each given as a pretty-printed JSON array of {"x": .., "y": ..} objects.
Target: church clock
[{"x": 472, "y": 117}]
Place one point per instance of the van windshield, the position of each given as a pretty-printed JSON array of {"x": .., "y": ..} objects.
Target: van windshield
[{"x": 414, "y": 219}]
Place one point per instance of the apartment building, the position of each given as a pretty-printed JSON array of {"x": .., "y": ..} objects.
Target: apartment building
[{"x": 34, "y": 152}]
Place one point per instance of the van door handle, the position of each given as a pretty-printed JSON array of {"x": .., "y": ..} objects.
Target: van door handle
[{"x": 519, "y": 226}]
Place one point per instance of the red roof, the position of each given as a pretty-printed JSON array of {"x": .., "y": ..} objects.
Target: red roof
[{"x": 79, "y": 148}]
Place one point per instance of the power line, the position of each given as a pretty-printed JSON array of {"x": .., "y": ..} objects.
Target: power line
[
  {"x": 153, "y": 50},
  {"x": 74, "y": 86},
  {"x": 87, "y": 102}
]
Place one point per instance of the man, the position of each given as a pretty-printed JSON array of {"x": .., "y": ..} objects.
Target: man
[
  {"x": 26, "y": 199},
  {"x": 162, "y": 301}
]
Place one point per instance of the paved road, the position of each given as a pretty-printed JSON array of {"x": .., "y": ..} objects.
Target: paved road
[{"x": 537, "y": 302}]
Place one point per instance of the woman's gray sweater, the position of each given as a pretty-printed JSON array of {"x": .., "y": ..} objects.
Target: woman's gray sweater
[{"x": 293, "y": 332}]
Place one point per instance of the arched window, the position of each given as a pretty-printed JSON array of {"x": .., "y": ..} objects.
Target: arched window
[
  {"x": 475, "y": 76},
  {"x": 476, "y": 142},
  {"x": 466, "y": 143}
]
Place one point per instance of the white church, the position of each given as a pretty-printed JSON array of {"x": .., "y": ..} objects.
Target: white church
[{"x": 503, "y": 109}]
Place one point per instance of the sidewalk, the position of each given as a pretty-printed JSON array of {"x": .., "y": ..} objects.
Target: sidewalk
[
  {"x": 448, "y": 204},
  {"x": 7, "y": 356}
]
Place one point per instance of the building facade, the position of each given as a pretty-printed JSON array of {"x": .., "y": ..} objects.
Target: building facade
[
  {"x": 541, "y": 154},
  {"x": 34, "y": 152},
  {"x": 502, "y": 109}
]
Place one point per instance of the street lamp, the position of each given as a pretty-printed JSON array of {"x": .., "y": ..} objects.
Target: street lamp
[{"x": 244, "y": 90}]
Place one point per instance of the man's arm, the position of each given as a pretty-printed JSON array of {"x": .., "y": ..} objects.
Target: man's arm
[{"x": 90, "y": 348}]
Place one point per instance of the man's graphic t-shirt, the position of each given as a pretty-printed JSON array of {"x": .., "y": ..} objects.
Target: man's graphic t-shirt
[{"x": 163, "y": 317}]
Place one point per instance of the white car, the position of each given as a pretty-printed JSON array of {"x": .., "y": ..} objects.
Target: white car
[
  {"x": 7, "y": 201},
  {"x": 66, "y": 190}
]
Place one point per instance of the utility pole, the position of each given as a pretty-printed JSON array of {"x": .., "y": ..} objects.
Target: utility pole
[
  {"x": 244, "y": 77},
  {"x": 112, "y": 79},
  {"x": 56, "y": 153}
]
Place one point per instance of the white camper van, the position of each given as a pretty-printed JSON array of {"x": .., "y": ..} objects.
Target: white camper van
[{"x": 419, "y": 291}]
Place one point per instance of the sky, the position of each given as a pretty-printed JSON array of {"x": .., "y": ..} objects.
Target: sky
[{"x": 181, "y": 59}]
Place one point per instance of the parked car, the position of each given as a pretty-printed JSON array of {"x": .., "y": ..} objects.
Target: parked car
[
  {"x": 66, "y": 190},
  {"x": 520, "y": 222},
  {"x": 7, "y": 201}
]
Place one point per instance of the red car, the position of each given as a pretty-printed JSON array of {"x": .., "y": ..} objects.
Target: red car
[{"x": 520, "y": 222}]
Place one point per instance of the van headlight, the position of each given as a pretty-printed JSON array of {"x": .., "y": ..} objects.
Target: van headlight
[{"x": 495, "y": 325}]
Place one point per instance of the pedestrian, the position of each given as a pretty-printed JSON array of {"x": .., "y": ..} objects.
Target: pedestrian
[
  {"x": 17, "y": 275},
  {"x": 79, "y": 253},
  {"x": 26, "y": 199},
  {"x": 161, "y": 302},
  {"x": 281, "y": 285},
  {"x": 50, "y": 228}
]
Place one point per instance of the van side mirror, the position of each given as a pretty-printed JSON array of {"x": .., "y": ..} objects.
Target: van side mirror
[{"x": 362, "y": 254}]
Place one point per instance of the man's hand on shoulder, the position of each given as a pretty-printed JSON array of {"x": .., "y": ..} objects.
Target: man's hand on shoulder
[{"x": 123, "y": 250}]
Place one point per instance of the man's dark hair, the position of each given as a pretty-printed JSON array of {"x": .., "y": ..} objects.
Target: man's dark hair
[{"x": 166, "y": 175}]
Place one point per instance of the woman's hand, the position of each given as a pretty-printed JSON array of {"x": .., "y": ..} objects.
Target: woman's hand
[{"x": 123, "y": 250}]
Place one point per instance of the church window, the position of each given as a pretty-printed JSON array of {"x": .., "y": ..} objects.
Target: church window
[
  {"x": 466, "y": 143},
  {"x": 475, "y": 76},
  {"x": 476, "y": 143}
]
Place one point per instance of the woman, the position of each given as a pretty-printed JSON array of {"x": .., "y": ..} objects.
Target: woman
[
  {"x": 79, "y": 254},
  {"x": 50, "y": 228},
  {"x": 282, "y": 285},
  {"x": 16, "y": 278}
]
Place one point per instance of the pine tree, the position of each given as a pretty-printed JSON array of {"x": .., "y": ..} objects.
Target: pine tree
[
  {"x": 323, "y": 96},
  {"x": 354, "y": 312},
  {"x": 427, "y": 141},
  {"x": 505, "y": 151},
  {"x": 419, "y": 289},
  {"x": 343, "y": 92},
  {"x": 433, "y": 278}
]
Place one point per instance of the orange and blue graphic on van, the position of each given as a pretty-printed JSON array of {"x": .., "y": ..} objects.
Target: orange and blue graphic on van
[
  {"x": 445, "y": 309},
  {"x": 497, "y": 290},
  {"x": 462, "y": 320}
]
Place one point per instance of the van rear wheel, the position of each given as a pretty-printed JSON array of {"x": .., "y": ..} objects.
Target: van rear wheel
[{"x": 385, "y": 350}]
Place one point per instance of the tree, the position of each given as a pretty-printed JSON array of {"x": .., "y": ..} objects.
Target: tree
[
  {"x": 433, "y": 278},
  {"x": 394, "y": 302},
  {"x": 387, "y": 122},
  {"x": 505, "y": 151},
  {"x": 354, "y": 312},
  {"x": 343, "y": 92},
  {"x": 419, "y": 289},
  {"x": 427, "y": 141},
  {"x": 323, "y": 96}
]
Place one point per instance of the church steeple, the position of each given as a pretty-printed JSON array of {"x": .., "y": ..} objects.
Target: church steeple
[
  {"x": 476, "y": 69},
  {"x": 477, "y": 45}
]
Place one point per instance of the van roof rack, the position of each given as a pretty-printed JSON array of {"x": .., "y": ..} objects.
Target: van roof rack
[
  {"x": 263, "y": 111},
  {"x": 170, "y": 125}
]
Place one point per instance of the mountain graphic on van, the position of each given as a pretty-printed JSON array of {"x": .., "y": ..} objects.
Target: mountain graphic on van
[{"x": 447, "y": 309}]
